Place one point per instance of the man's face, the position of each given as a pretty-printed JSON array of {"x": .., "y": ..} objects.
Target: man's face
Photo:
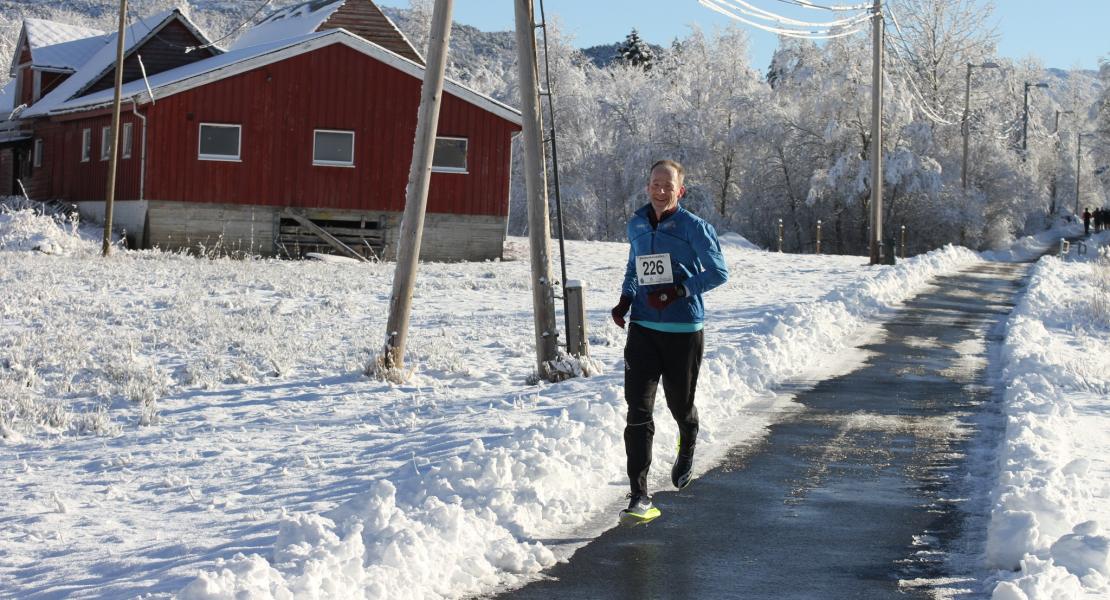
[{"x": 664, "y": 189}]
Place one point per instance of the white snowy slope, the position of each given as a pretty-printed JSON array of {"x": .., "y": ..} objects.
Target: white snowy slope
[
  {"x": 1051, "y": 505},
  {"x": 202, "y": 428}
]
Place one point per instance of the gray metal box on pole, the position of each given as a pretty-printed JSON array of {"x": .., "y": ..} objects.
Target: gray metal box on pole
[{"x": 577, "y": 344}]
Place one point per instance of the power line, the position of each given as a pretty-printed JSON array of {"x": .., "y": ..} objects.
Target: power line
[
  {"x": 264, "y": 4},
  {"x": 188, "y": 49},
  {"x": 916, "y": 93},
  {"x": 814, "y": 6},
  {"x": 757, "y": 12},
  {"x": 815, "y": 34}
]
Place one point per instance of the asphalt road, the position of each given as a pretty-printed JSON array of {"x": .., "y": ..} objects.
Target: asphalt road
[{"x": 851, "y": 496}]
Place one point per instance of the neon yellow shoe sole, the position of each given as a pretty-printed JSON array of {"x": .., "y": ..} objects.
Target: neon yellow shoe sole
[{"x": 631, "y": 518}]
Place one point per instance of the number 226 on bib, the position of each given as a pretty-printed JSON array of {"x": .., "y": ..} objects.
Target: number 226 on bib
[{"x": 654, "y": 269}]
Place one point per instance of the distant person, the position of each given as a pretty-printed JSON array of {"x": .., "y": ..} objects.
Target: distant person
[
  {"x": 1086, "y": 221},
  {"x": 674, "y": 258}
]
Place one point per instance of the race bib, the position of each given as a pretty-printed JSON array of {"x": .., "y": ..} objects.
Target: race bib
[{"x": 654, "y": 269}]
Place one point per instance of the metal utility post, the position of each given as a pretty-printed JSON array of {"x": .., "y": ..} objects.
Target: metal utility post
[
  {"x": 573, "y": 319},
  {"x": 966, "y": 122},
  {"x": 877, "y": 133},
  {"x": 1056, "y": 127},
  {"x": 539, "y": 231},
  {"x": 1025, "y": 115},
  {"x": 1078, "y": 170},
  {"x": 110, "y": 197},
  {"x": 416, "y": 194},
  {"x": 1056, "y": 169}
]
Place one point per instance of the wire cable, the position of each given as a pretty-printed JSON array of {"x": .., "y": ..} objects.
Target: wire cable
[
  {"x": 816, "y": 34},
  {"x": 140, "y": 19},
  {"x": 915, "y": 93},
  {"x": 250, "y": 19},
  {"x": 814, "y": 6},
  {"x": 759, "y": 13}
]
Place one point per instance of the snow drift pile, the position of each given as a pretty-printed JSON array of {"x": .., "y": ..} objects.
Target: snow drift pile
[{"x": 1054, "y": 467}]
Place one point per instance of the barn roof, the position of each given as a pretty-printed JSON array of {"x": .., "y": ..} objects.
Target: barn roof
[
  {"x": 68, "y": 56},
  {"x": 289, "y": 22},
  {"x": 246, "y": 59},
  {"x": 367, "y": 21},
  {"x": 57, "y": 46},
  {"x": 104, "y": 59}
]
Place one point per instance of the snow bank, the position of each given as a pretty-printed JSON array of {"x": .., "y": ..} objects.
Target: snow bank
[
  {"x": 471, "y": 521},
  {"x": 735, "y": 240},
  {"x": 26, "y": 230},
  {"x": 1030, "y": 247},
  {"x": 1057, "y": 360}
]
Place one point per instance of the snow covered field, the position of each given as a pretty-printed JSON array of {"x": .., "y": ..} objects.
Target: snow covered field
[
  {"x": 202, "y": 428},
  {"x": 1052, "y": 501}
]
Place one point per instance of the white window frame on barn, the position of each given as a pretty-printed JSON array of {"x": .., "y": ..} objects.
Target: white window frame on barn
[
  {"x": 332, "y": 163},
  {"x": 440, "y": 168},
  {"x": 105, "y": 142},
  {"x": 86, "y": 144},
  {"x": 37, "y": 153},
  {"x": 125, "y": 141},
  {"x": 237, "y": 157}
]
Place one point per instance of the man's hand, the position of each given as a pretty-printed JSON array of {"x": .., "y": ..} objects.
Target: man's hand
[
  {"x": 620, "y": 310},
  {"x": 660, "y": 299}
]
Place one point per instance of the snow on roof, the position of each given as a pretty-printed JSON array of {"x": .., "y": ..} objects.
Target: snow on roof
[
  {"x": 103, "y": 60},
  {"x": 289, "y": 22},
  {"x": 242, "y": 60},
  {"x": 56, "y": 46},
  {"x": 68, "y": 56},
  {"x": 188, "y": 76},
  {"x": 42, "y": 33}
]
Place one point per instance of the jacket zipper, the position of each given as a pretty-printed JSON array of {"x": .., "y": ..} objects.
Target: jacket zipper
[{"x": 654, "y": 231}]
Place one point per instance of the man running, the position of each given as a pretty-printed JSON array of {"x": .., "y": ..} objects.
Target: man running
[{"x": 674, "y": 258}]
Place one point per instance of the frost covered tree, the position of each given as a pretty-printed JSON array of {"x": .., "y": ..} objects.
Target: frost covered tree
[
  {"x": 635, "y": 52},
  {"x": 936, "y": 39},
  {"x": 420, "y": 24}
]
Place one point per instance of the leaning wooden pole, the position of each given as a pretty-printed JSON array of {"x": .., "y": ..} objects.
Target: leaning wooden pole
[
  {"x": 416, "y": 194},
  {"x": 535, "y": 183},
  {"x": 113, "y": 160}
]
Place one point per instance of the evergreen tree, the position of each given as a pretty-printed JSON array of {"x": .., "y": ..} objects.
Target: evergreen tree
[{"x": 635, "y": 52}]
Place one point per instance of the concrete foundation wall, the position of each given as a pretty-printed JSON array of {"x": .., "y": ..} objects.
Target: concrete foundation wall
[
  {"x": 233, "y": 229},
  {"x": 128, "y": 215}
]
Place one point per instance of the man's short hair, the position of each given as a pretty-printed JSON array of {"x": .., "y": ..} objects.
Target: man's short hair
[{"x": 666, "y": 162}]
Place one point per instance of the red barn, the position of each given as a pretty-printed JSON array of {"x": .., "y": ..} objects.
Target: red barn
[{"x": 301, "y": 132}]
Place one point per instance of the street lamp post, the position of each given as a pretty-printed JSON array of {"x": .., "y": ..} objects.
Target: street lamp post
[
  {"x": 1056, "y": 169},
  {"x": 1025, "y": 115},
  {"x": 966, "y": 123},
  {"x": 1056, "y": 128},
  {"x": 1078, "y": 158}
]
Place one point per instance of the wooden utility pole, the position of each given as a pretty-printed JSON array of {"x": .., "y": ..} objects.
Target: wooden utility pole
[
  {"x": 877, "y": 134},
  {"x": 535, "y": 183},
  {"x": 416, "y": 194},
  {"x": 110, "y": 198}
]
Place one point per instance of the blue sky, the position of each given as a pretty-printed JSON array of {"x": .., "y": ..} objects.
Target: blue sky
[{"x": 1063, "y": 33}]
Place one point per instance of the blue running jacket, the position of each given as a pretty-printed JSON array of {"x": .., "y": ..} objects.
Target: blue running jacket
[{"x": 696, "y": 262}]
